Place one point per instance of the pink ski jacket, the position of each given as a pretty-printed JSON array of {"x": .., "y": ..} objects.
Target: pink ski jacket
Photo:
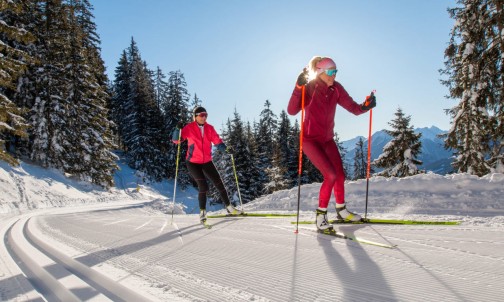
[
  {"x": 199, "y": 149},
  {"x": 320, "y": 108}
]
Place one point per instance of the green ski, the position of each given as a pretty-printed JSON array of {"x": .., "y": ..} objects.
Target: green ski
[
  {"x": 387, "y": 221},
  {"x": 251, "y": 215}
]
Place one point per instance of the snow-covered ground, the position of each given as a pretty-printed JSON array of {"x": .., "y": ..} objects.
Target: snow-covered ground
[{"x": 99, "y": 245}]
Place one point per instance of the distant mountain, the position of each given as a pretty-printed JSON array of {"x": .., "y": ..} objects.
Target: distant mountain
[{"x": 434, "y": 156}]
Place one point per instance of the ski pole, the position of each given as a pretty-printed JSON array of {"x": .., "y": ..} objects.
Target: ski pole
[
  {"x": 300, "y": 163},
  {"x": 176, "y": 175},
  {"x": 236, "y": 178},
  {"x": 368, "y": 152}
]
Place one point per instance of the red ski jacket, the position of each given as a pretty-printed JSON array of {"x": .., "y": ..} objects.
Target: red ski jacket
[
  {"x": 320, "y": 108},
  {"x": 199, "y": 149}
]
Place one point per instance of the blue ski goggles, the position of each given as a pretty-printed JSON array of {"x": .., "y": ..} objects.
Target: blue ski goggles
[{"x": 331, "y": 72}]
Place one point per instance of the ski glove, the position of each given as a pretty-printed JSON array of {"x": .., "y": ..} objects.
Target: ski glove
[
  {"x": 180, "y": 125},
  {"x": 176, "y": 135},
  {"x": 221, "y": 147},
  {"x": 302, "y": 78},
  {"x": 370, "y": 103}
]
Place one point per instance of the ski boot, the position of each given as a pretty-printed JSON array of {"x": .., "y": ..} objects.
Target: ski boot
[
  {"x": 202, "y": 216},
  {"x": 322, "y": 222},
  {"x": 233, "y": 211},
  {"x": 342, "y": 214}
]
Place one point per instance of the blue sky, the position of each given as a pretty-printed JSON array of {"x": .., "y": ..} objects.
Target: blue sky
[{"x": 240, "y": 53}]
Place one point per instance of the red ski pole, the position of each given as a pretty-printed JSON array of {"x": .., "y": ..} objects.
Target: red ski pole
[
  {"x": 368, "y": 152},
  {"x": 300, "y": 163}
]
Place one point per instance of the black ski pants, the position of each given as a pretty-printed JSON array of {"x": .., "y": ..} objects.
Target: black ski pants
[{"x": 200, "y": 173}]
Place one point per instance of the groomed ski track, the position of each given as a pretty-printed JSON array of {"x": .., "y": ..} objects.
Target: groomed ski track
[{"x": 261, "y": 259}]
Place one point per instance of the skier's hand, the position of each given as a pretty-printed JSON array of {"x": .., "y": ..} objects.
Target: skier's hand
[
  {"x": 180, "y": 125},
  {"x": 303, "y": 77},
  {"x": 221, "y": 147},
  {"x": 370, "y": 103},
  {"x": 229, "y": 149},
  {"x": 176, "y": 136}
]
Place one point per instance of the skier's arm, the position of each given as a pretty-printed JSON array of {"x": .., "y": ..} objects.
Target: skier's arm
[
  {"x": 347, "y": 102},
  {"x": 295, "y": 101}
]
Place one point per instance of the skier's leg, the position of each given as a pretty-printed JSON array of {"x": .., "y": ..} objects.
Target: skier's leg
[
  {"x": 214, "y": 176},
  {"x": 332, "y": 152},
  {"x": 342, "y": 213},
  {"x": 317, "y": 155},
  {"x": 196, "y": 171}
]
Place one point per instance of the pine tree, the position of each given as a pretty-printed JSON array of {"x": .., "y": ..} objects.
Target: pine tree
[
  {"x": 160, "y": 89},
  {"x": 119, "y": 100},
  {"x": 176, "y": 110},
  {"x": 250, "y": 169},
  {"x": 13, "y": 63},
  {"x": 360, "y": 164},
  {"x": 265, "y": 138},
  {"x": 399, "y": 155},
  {"x": 285, "y": 151},
  {"x": 144, "y": 138},
  {"x": 474, "y": 70},
  {"x": 343, "y": 151},
  {"x": 196, "y": 102},
  {"x": 91, "y": 158}
]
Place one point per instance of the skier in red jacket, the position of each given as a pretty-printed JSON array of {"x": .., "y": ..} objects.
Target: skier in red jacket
[
  {"x": 322, "y": 94},
  {"x": 200, "y": 136}
]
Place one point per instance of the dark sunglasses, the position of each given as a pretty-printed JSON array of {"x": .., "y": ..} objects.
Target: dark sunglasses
[{"x": 202, "y": 114}]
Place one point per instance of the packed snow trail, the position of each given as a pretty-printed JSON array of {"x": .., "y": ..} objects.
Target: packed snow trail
[{"x": 261, "y": 259}]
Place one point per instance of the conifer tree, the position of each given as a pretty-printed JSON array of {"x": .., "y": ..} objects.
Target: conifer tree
[
  {"x": 293, "y": 165},
  {"x": 474, "y": 69},
  {"x": 144, "y": 138},
  {"x": 265, "y": 138},
  {"x": 399, "y": 157},
  {"x": 343, "y": 151},
  {"x": 285, "y": 150},
  {"x": 360, "y": 163},
  {"x": 13, "y": 63},
  {"x": 160, "y": 89},
  {"x": 119, "y": 100},
  {"x": 177, "y": 110},
  {"x": 250, "y": 169}
]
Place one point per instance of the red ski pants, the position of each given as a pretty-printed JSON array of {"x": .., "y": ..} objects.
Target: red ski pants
[{"x": 326, "y": 158}]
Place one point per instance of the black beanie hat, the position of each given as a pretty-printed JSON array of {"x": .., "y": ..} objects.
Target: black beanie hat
[{"x": 198, "y": 110}]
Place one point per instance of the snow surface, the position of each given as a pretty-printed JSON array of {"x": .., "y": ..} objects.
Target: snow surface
[{"x": 128, "y": 235}]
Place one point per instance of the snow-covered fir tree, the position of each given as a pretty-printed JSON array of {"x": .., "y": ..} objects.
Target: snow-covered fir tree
[
  {"x": 474, "y": 69},
  {"x": 250, "y": 168},
  {"x": 265, "y": 139},
  {"x": 13, "y": 64},
  {"x": 360, "y": 163},
  {"x": 399, "y": 157},
  {"x": 236, "y": 139},
  {"x": 174, "y": 111},
  {"x": 285, "y": 151},
  {"x": 144, "y": 138},
  {"x": 119, "y": 99},
  {"x": 70, "y": 129},
  {"x": 160, "y": 89},
  {"x": 195, "y": 102},
  {"x": 343, "y": 151}
]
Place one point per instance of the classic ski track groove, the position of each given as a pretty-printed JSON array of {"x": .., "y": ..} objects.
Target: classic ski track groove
[{"x": 297, "y": 265}]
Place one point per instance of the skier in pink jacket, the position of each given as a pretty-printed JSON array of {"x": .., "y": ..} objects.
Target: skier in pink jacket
[
  {"x": 200, "y": 136},
  {"x": 322, "y": 95}
]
